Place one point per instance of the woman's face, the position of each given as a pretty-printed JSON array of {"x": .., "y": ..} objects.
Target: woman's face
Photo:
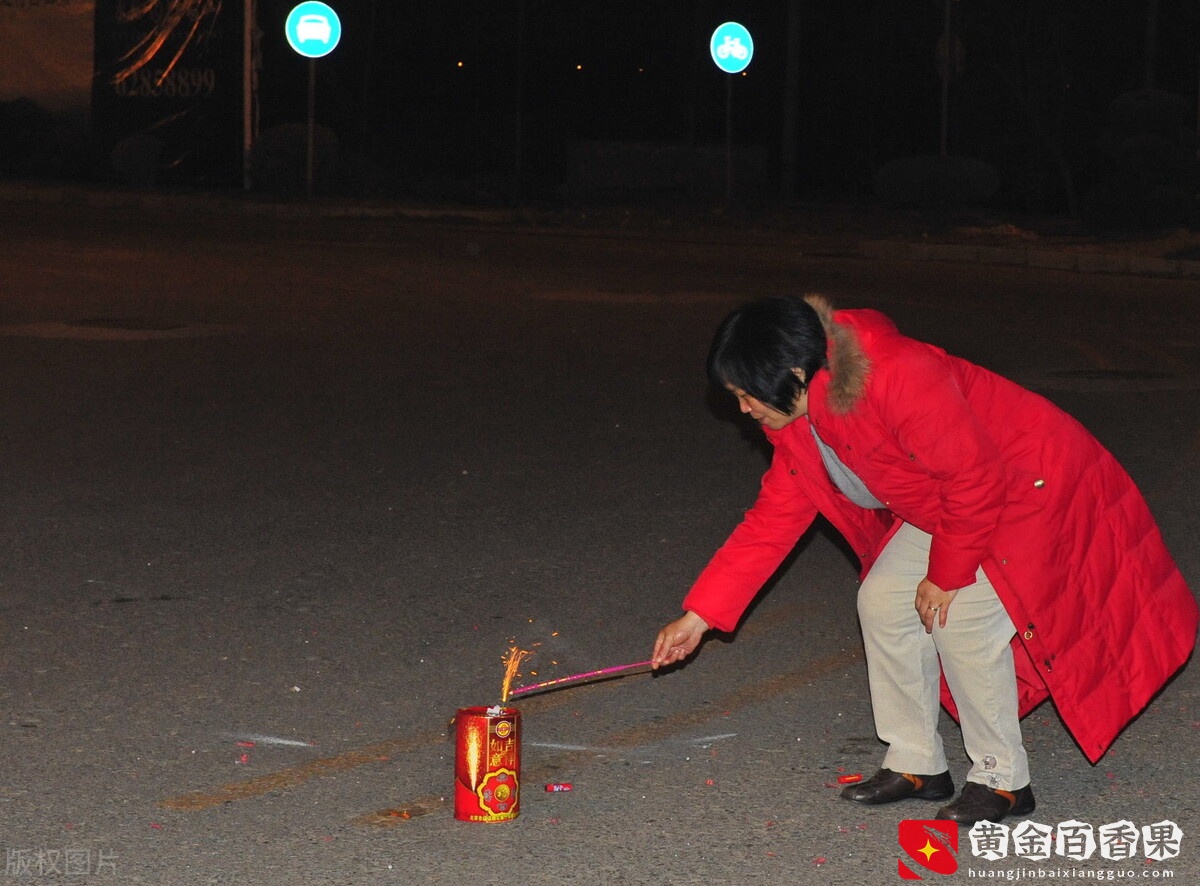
[{"x": 769, "y": 416}]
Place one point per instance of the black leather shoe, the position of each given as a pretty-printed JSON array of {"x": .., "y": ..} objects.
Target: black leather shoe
[
  {"x": 886, "y": 786},
  {"x": 978, "y": 802}
]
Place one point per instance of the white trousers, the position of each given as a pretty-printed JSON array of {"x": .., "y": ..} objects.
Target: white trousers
[{"x": 902, "y": 669}]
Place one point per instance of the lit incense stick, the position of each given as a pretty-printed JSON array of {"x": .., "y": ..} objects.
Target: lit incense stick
[{"x": 577, "y": 678}]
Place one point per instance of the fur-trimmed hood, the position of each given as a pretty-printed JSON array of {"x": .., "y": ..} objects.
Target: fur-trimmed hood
[{"x": 845, "y": 361}]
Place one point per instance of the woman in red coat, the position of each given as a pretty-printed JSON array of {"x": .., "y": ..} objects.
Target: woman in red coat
[{"x": 1006, "y": 555}]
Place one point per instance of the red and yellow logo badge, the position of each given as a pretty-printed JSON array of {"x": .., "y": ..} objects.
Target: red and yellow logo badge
[
  {"x": 504, "y": 729},
  {"x": 933, "y": 845},
  {"x": 498, "y": 792}
]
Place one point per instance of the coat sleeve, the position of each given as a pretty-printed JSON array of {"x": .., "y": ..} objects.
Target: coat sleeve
[
  {"x": 768, "y": 532},
  {"x": 921, "y": 401}
]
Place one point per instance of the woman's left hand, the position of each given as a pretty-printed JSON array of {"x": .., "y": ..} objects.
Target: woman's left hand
[{"x": 932, "y": 602}]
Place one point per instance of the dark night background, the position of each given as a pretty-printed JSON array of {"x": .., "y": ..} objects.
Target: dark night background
[{"x": 1081, "y": 107}]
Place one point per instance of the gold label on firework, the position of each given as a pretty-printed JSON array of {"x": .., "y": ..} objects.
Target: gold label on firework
[{"x": 487, "y": 764}]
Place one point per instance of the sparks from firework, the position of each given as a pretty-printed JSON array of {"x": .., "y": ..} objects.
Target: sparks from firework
[{"x": 512, "y": 663}]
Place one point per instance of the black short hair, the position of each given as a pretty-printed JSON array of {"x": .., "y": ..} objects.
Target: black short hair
[{"x": 759, "y": 344}]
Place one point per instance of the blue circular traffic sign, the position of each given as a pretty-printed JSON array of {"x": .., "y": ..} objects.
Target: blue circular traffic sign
[
  {"x": 731, "y": 47},
  {"x": 313, "y": 29}
]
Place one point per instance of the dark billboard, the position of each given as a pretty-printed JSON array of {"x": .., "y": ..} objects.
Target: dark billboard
[{"x": 167, "y": 96}]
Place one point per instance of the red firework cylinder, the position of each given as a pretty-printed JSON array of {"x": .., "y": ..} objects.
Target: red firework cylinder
[{"x": 487, "y": 764}]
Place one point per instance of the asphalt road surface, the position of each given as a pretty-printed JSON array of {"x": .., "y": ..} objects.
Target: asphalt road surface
[{"x": 279, "y": 494}]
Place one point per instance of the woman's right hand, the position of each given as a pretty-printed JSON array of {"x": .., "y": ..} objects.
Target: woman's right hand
[{"x": 678, "y": 640}]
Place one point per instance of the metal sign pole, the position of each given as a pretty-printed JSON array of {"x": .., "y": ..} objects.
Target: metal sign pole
[
  {"x": 729, "y": 138},
  {"x": 247, "y": 90},
  {"x": 312, "y": 126}
]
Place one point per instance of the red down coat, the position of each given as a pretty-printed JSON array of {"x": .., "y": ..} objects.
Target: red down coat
[{"x": 998, "y": 476}]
